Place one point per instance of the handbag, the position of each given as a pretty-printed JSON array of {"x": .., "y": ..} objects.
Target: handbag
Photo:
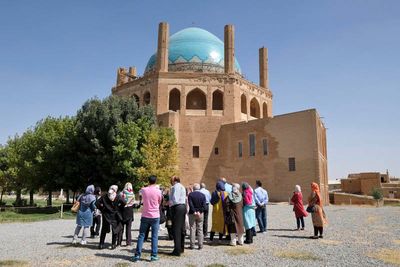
[
  {"x": 310, "y": 209},
  {"x": 76, "y": 206}
]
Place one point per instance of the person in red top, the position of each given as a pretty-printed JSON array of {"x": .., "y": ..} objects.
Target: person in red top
[{"x": 298, "y": 208}]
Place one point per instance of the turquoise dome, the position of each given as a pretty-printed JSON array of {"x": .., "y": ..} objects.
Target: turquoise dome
[{"x": 194, "y": 49}]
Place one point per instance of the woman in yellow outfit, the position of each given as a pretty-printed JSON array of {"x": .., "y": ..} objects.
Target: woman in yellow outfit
[{"x": 218, "y": 200}]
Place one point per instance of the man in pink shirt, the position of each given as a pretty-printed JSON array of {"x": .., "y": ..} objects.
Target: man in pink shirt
[{"x": 151, "y": 199}]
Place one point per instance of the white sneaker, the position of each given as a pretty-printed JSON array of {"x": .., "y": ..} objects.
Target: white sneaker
[
  {"x": 83, "y": 242},
  {"x": 74, "y": 241}
]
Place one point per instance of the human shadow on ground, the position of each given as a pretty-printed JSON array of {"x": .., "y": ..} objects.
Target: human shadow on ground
[
  {"x": 284, "y": 229},
  {"x": 67, "y": 236},
  {"x": 69, "y": 245},
  {"x": 293, "y": 236}
]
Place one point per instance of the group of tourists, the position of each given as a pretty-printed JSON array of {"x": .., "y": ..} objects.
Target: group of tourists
[{"x": 235, "y": 210}]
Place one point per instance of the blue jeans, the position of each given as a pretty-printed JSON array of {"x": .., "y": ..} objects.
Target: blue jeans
[
  {"x": 261, "y": 215},
  {"x": 145, "y": 223}
]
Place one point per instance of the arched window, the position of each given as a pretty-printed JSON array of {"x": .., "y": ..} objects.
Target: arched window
[
  {"x": 137, "y": 100},
  {"x": 196, "y": 99},
  {"x": 174, "y": 100},
  {"x": 146, "y": 98},
  {"x": 254, "y": 108},
  {"x": 243, "y": 104},
  {"x": 265, "y": 110},
  {"x": 218, "y": 100}
]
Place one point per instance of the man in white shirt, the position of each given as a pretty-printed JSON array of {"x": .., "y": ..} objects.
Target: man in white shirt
[
  {"x": 178, "y": 213},
  {"x": 261, "y": 199}
]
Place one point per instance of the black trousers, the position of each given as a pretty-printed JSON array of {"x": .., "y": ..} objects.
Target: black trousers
[
  {"x": 95, "y": 228},
  {"x": 205, "y": 221},
  {"x": 300, "y": 220},
  {"x": 319, "y": 230},
  {"x": 128, "y": 235},
  {"x": 178, "y": 213}
]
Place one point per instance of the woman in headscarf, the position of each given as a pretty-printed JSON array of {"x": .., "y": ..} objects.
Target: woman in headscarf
[
  {"x": 110, "y": 206},
  {"x": 234, "y": 217},
  {"x": 249, "y": 213},
  {"x": 318, "y": 214},
  {"x": 84, "y": 218},
  {"x": 127, "y": 213},
  {"x": 218, "y": 200},
  {"x": 298, "y": 208}
]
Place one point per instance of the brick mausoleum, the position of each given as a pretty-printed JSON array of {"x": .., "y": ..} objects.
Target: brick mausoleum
[{"x": 224, "y": 123}]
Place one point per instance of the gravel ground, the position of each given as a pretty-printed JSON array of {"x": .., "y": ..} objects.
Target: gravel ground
[{"x": 353, "y": 235}]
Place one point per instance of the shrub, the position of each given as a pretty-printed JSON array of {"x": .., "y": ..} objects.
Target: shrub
[{"x": 377, "y": 194}]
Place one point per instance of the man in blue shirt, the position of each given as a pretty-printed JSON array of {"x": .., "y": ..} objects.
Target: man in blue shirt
[
  {"x": 228, "y": 186},
  {"x": 261, "y": 198},
  {"x": 208, "y": 198}
]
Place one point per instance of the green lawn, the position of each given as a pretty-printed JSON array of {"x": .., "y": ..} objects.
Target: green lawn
[{"x": 10, "y": 216}]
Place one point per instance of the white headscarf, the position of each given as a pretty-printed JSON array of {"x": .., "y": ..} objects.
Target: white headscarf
[
  {"x": 112, "y": 192},
  {"x": 297, "y": 188}
]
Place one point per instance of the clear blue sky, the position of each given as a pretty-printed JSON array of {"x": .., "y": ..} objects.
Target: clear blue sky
[{"x": 341, "y": 57}]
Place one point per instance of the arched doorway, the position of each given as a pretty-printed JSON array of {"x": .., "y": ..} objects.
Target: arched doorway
[{"x": 174, "y": 100}]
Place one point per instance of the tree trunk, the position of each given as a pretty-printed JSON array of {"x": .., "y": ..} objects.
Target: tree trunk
[
  {"x": 2, "y": 193},
  {"x": 31, "y": 197},
  {"x": 49, "y": 199},
  {"x": 73, "y": 197},
  {"x": 18, "y": 199},
  {"x": 67, "y": 194}
]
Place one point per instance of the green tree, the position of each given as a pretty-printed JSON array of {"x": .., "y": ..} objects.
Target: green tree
[
  {"x": 52, "y": 140},
  {"x": 100, "y": 133},
  {"x": 160, "y": 155},
  {"x": 4, "y": 180}
]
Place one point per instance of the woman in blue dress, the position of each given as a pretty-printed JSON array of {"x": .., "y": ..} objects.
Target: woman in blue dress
[{"x": 84, "y": 218}]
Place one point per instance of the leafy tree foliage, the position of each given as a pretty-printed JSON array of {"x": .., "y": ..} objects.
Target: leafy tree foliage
[
  {"x": 109, "y": 141},
  {"x": 160, "y": 154}
]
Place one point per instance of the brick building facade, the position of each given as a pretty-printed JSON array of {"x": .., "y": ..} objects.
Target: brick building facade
[{"x": 224, "y": 123}]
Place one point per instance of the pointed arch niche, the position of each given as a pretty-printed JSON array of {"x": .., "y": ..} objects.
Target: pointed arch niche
[
  {"x": 218, "y": 100},
  {"x": 243, "y": 104},
  {"x": 265, "y": 110},
  {"x": 146, "y": 98},
  {"x": 174, "y": 100},
  {"x": 254, "y": 108},
  {"x": 196, "y": 99}
]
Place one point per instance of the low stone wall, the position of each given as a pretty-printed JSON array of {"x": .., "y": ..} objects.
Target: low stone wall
[{"x": 351, "y": 199}]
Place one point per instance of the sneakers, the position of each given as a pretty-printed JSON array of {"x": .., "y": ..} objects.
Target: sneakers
[
  {"x": 135, "y": 258},
  {"x": 83, "y": 242},
  {"x": 74, "y": 241},
  {"x": 154, "y": 258}
]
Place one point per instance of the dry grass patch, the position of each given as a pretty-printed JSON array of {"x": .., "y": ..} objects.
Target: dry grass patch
[
  {"x": 239, "y": 250},
  {"x": 397, "y": 242},
  {"x": 13, "y": 263},
  {"x": 330, "y": 242},
  {"x": 122, "y": 264},
  {"x": 372, "y": 219},
  {"x": 296, "y": 255},
  {"x": 391, "y": 256}
]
